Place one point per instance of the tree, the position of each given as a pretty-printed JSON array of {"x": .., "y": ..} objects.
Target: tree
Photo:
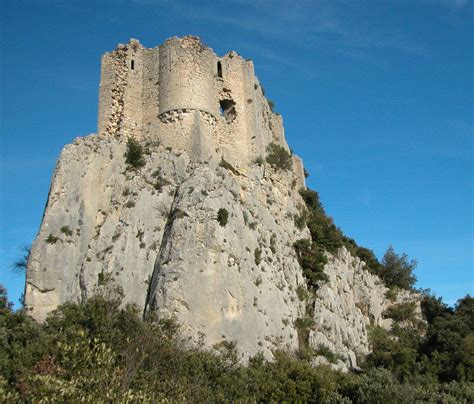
[
  {"x": 278, "y": 157},
  {"x": 134, "y": 154},
  {"x": 397, "y": 270}
]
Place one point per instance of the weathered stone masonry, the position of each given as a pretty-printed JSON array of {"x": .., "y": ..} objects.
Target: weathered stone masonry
[{"x": 184, "y": 95}]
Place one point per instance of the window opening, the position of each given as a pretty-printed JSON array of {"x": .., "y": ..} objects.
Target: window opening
[
  {"x": 219, "y": 69},
  {"x": 132, "y": 64},
  {"x": 227, "y": 109}
]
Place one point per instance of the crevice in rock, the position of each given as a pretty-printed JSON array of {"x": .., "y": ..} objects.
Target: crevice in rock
[{"x": 161, "y": 258}]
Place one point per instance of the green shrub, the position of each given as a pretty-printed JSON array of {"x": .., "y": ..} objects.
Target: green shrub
[
  {"x": 66, "y": 230},
  {"x": 159, "y": 181},
  {"x": 302, "y": 293},
  {"x": 258, "y": 160},
  {"x": 325, "y": 351},
  {"x": 312, "y": 260},
  {"x": 273, "y": 239},
  {"x": 303, "y": 326},
  {"x": 52, "y": 239},
  {"x": 134, "y": 154},
  {"x": 130, "y": 204},
  {"x": 396, "y": 270},
  {"x": 401, "y": 312},
  {"x": 278, "y": 157},
  {"x": 103, "y": 351},
  {"x": 257, "y": 255},
  {"x": 222, "y": 216},
  {"x": 20, "y": 264}
]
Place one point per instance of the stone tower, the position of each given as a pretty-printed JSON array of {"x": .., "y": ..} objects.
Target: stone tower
[{"x": 182, "y": 94}]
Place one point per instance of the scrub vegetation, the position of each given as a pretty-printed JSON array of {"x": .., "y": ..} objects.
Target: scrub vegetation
[{"x": 103, "y": 351}]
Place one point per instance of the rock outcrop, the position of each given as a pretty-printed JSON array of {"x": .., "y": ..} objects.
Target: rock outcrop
[
  {"x": 348, "y": 304},
  {"x": 204, "y": 238}
]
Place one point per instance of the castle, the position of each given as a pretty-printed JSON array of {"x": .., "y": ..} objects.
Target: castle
[
  {"x": 156, "y": 233},
  {"x": 186, "y": 96}
]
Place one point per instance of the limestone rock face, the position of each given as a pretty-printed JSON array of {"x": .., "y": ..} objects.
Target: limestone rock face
[
  {"x": 352, "y": 300},
  {"x": 165, "y": 247},
  {"x": 155, "y": 232}
]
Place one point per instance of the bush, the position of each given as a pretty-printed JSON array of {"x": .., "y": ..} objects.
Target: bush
[
  {"x": 66, "y": 230},
  {"x": 396, "y": 270},
  {"x": 312, "y": 260},
  {"x": 20, "y": 264},
  {"x": 222, "y": 216},
  {"x": 401, "y": 312},
  {"x": 257, "y": 255},
  {"x": 278, "y": 157},
  {"x": 134, "y": 154},
  {"x": 258, "y": 160},
  {"x": 159, "y": 181},
  {"x": 102, "y": 351},
  {"x": 52, "y": 239}
]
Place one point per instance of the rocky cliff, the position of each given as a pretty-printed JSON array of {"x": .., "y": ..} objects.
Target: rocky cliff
[
  {"x": 203, "y": 229},
  {"x": 156, "y": 232}
]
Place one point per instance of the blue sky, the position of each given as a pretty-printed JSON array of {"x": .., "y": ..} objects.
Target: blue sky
[{"x": 376, "y": 96}]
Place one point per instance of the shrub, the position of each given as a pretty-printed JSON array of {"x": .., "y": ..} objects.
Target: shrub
[
  {"x": 302, "y": 293},
  {"x": 257, "y": 255},
  {"x": 273, "y": 239},
  {"x": 20, "y": 264},
  {"x": 303, "y": 326},
  {"x": 52, "y": 239},
  {"x": 222, "y": 216},
  {"x": 66, "y": 230},
  {"x": 258, "y": 160},
  {"x": 401, "y": 312},
  {"x": 159, "y": 181},
  {"x": 103, "y": 351},
  {"x": 134, "y": 154},
  {"x": 278, "y": 157},
  {"x": 312, "y": 260},
  {"x": 325, "y": 234},
  {"x": 396, "y": 270},
  {"x": 130, "y": 204},
  {"x": 300, "y": 221},
  {"x": 325, "y": 351}
]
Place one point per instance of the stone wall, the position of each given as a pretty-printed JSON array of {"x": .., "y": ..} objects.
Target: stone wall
[{"x": 157, "y": 98}]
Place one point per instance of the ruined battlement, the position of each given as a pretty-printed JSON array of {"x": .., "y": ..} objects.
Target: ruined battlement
[{"x": 186, "y": 96}]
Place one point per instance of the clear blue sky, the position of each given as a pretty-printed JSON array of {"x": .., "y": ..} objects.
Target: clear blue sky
[{"x": 376, "y": 96}]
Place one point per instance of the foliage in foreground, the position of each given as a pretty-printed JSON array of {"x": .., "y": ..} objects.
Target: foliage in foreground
[{"x": 102, "y": 352}]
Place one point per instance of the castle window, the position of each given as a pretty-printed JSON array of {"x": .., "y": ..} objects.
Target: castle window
[
  {"x": 227, "y": 109},
  {"x": 132, "y": 64},
  {"x": 219, "y": 69}
]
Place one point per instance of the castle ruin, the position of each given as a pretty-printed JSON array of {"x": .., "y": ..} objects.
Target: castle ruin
[{"x": 186, "y": 96}]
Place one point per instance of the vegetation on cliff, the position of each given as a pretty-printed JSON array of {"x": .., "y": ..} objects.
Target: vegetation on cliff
[
  {"x": 396, "y": 271},
  {"x": 100, "y": 351}
]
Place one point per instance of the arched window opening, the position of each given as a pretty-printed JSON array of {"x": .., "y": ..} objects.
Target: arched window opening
[
  {"x": 227, "y": 109},
  {"x": 132, "y": 64},
  {"x": 219, "y": 69}
]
